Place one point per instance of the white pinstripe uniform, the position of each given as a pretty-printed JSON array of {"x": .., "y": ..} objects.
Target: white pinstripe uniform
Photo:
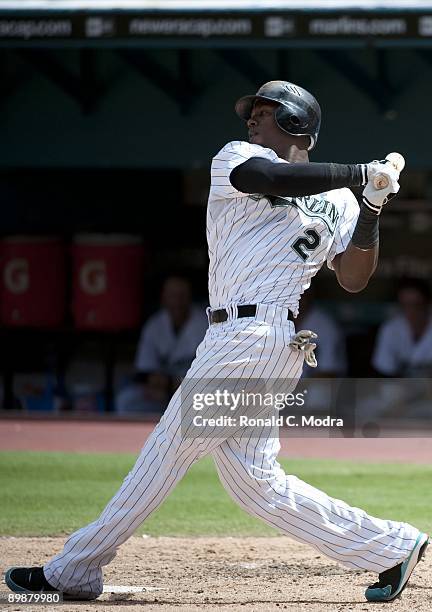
[{"x": 259, "y": 254}]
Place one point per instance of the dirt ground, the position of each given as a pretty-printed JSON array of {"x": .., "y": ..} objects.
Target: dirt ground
[{"x": 223, "y": 574}]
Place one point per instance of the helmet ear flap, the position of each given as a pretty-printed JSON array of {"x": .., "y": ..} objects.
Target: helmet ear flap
[
  {"x": 294, "y": 123},
  {"x": 291, "y": 123},
  {"x": 294, "y": 120}
]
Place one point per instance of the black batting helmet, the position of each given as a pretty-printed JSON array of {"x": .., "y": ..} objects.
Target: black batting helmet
[{"x": 298, "y": 114}]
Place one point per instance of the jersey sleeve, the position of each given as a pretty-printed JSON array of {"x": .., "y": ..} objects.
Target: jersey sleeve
[
  {"x": 345, "y": 227},
  {"x": 233, "y": 154}
]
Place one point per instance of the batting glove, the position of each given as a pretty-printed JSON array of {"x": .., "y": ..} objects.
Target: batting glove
[
  {"x": 302, "y": 342},
  {"x": 375, "y": 198}
]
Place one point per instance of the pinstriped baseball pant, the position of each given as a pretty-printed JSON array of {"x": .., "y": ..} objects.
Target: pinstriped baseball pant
[{"x": 242, "y": 349}]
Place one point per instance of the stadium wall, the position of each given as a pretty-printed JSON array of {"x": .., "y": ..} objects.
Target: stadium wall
[{"x": 136, "y": 124}]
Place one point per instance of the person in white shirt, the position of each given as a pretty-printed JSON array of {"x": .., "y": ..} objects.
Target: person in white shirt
[
  {"x": 166, "y": 349},
  {"x": 404, "y": 342}
]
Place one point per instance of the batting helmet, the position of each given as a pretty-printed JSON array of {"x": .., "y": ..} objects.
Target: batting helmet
[{"x": 298, "y": 113}]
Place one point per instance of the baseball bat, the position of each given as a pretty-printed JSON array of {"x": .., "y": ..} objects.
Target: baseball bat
[{"x": 396, "y": 159}]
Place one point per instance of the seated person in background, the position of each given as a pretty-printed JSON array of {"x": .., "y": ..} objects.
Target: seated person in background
[
  {"x": 166, "y": 348},
  {"x": 404, "y": 343},
  {"x": 331, "y": 351}
]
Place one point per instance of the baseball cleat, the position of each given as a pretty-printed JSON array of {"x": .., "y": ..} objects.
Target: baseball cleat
[
  {"x": 28, "y": 580},
  {"x": 32, "y": 580},
  {"x": 393, "y": 581}
]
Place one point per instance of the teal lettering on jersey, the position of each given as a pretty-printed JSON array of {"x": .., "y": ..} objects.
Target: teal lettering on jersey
[{"x": 312, "y": 207}]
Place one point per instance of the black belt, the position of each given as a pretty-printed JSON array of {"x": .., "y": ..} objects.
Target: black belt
[{"x": 246, "y": 310}]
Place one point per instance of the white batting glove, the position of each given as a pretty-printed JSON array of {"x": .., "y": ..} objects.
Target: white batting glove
[
  {"x": 302, "y": 342},
  {"x": 375, "y": 198}
]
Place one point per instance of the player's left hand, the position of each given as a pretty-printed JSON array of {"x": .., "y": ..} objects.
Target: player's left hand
[
  {"x": 302, "y": 342},
  {"x": 375, "y": 198}
]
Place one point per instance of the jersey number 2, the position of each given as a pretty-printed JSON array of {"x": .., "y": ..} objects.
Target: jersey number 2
[{"x": 306, "y": 243}]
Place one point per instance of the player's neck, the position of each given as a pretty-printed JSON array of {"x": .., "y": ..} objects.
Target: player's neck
[
  {"x": 294, "y": 155},
  {"x": 293, "y": 149}
]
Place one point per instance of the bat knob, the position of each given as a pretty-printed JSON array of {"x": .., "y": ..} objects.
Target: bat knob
[{"x": 380, "y": 181}]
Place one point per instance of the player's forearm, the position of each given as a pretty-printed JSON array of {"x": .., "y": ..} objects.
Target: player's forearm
[
  {"x": 259, "y": 175},
  {"x": 355, "y": 266}
]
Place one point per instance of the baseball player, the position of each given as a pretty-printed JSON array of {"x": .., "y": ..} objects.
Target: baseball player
[{"x": 273, "y": 220}]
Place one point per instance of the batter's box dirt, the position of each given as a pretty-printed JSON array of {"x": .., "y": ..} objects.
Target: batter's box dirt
[{"x": 223, "y": 574}]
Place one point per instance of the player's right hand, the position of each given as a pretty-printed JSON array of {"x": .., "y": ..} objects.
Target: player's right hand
[{"x": 375, "y": 198}]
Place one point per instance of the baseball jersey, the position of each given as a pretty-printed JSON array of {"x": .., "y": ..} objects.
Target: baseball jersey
[
  {"x": 397, "y": 353},
  {"x": 266, "y": 249}
]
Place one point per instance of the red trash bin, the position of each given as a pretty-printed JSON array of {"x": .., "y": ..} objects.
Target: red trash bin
[
  {"x": 107, "y": 281},
  {"x": 33, "y": 281}
]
